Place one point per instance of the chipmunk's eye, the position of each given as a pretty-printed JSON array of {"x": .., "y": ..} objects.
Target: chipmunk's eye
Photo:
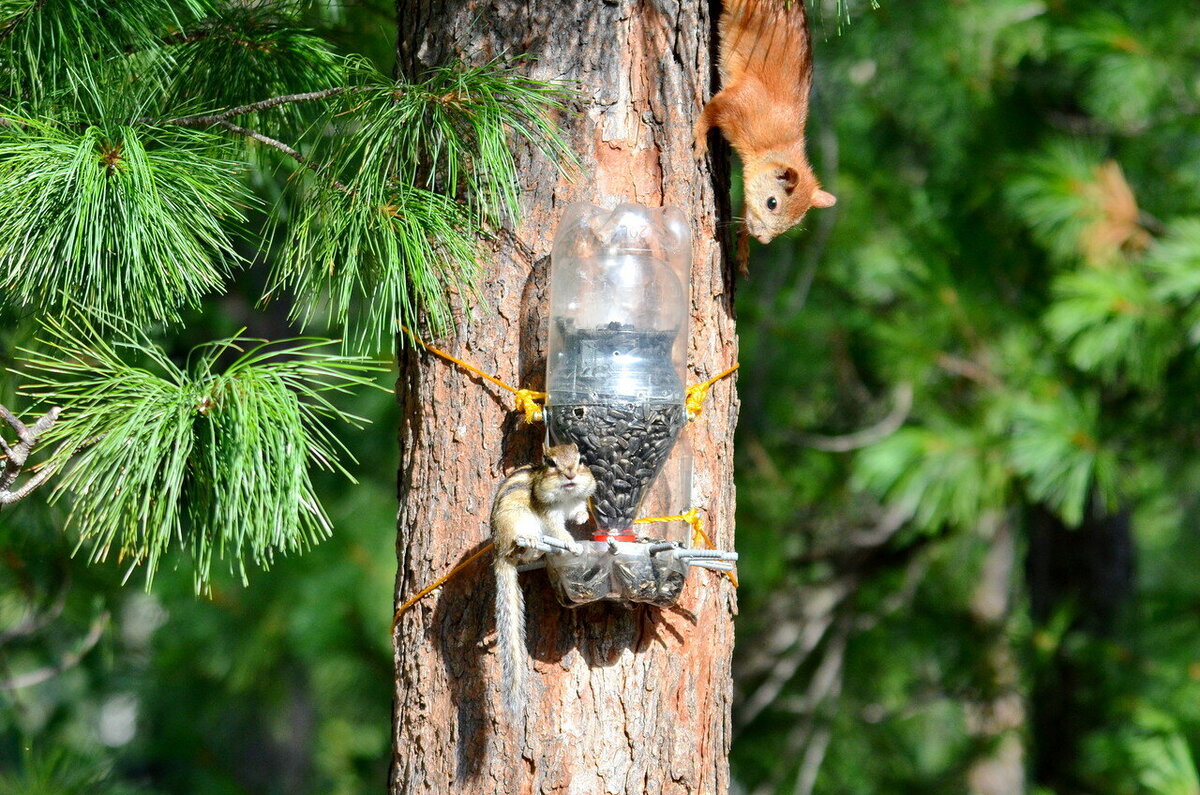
[{"x": 772, "y": 203}]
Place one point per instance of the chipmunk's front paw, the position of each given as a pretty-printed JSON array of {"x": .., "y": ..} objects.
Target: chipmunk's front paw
[
  {"x": 527, "y": 542},
  {"x": 580, "y": 516}
]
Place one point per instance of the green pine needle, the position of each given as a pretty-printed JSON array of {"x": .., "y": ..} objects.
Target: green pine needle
[
  {"x": 934, "y": 476},
  {"x": 1054, "y": 195},
  {"x": 1175, "y": 262},
  {"x": 456, "y": 127},
  {"x": 1112, "y": 324},
  {"x": 1055, "y": 444},
  {"x": 370, "y": 267},
  {"x": 1120, "y": 68},
  {"x": 120, "y": 221},
  {"x": 392, "y": 243},
  {"x": 155, "y": 455},
  {"x": 43, "y": 41}
]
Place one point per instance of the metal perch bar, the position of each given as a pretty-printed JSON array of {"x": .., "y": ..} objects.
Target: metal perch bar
[
  {"x": 715, "y": 565},
  {"x": 548, "y": 543},
  {"x": 716, "y": 554}
]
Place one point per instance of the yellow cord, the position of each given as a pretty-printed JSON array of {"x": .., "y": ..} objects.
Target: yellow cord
[
  {"x": 699, "y": 536},
  {"x": 404, "y": 608},
  {"x": 526, "y": 398},
  {"x": 698, "y": 393},
  {"x": 527, "y": 402}
]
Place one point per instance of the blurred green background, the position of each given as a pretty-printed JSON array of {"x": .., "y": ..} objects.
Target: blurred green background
[{"x": 967, "y": 461}]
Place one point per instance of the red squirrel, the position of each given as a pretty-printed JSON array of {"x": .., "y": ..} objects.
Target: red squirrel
[{"x": 766, "y": 73}]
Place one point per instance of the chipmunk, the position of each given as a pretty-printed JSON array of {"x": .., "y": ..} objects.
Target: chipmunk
[
  {"x": 766, "y": 74},
  {"x": 531, "y": 502}
]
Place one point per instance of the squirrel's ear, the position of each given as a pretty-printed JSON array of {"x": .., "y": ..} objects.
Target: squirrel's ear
[
  {"x": 823, "y": 199},
  {"x": 787, "y": 177}
]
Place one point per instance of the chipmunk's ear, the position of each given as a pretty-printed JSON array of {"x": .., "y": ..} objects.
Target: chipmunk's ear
[
  {"x": 787, "y": 177},
  {"x": 823, "y": 199}
]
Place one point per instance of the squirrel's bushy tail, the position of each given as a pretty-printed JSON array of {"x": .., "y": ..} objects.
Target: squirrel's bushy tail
[
  {"x": 764, "y": 36},
  {"x": 510, "y": 636}
]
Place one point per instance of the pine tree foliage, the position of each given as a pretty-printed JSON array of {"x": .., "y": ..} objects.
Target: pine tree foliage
[
  {"x": 116, "y": 221},
  {"x": 156, "y": 155},
  {"x": 389, "y": 197},
  {"x": 1016, "y": 240},
  {"x": 214, "y": 459},
  {"x": 136, "y": 139},
  {"x": 45, "y": 45},
  {"x": 238, "y": 53},
  {"x": 138, "y": 122}
]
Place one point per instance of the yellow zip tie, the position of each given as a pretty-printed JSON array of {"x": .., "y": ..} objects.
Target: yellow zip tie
[
  {"x": 692, "y": 517},
  {"x": 526, "y": 398},
  {"x": 698, "y": 393},
  {"x": 404, "y": 608}
]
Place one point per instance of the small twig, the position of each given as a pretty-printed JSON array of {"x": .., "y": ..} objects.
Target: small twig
[
  {"x": 903, "y": 397},
  {"x": 814, "y": 628},
  {"x": 814, "y": 755},
  {"x": 968, "y": 369},
  {"x": 8, "y": 497},
  {"x": 68, "y": 661},
  {"x": 37, "y": 620},
  {"x": 282, "y": 147},
  {"x": 182, "y": 37},
  {"x": 888, "y": 525},
  {"x": 210, "y": 119},
  {"x": 15, "y": 455}
]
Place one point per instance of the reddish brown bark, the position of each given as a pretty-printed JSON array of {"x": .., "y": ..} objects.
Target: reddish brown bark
[{"x": 621, "y": 699}]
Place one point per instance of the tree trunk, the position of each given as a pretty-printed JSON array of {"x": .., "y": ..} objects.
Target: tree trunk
[
  {"x": 622, "y": 699},
  {"x": 996, "y": 716},
  {"x": 1089, "y": 572}
]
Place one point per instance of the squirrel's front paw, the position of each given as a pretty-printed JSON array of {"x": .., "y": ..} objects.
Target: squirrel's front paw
[{"x": 700, "y": 140}]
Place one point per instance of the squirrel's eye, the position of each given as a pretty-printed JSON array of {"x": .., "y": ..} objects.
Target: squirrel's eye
[{"x": 772, "y": 203}]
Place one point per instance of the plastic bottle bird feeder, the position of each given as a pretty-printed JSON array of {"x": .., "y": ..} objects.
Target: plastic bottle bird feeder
[{"x": 619, "y": 305}]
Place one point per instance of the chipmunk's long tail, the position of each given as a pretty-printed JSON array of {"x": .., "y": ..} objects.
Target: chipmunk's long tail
[{"x": 510, "y": 635}]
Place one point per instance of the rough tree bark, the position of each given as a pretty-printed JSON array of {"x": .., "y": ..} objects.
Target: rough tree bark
[{"x": 621, "y": 700}]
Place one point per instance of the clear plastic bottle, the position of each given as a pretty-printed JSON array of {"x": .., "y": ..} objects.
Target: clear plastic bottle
[{"x": 619, "y": 305}]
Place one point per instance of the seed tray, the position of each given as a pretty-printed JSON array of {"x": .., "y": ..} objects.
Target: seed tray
[{"x": 620, "y": 571}]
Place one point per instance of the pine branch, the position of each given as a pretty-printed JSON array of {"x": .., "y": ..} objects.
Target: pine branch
[
  {"x": 17, "y": 454},
  {"x": 903, "y": 399},
  {"x": 68, "y": 661},
  {"x": 95, "y": 222},
  {"x": 217, "y": 460},
  {"x": 210, "y": 119},
  {"x": 282, "y": 147}
]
